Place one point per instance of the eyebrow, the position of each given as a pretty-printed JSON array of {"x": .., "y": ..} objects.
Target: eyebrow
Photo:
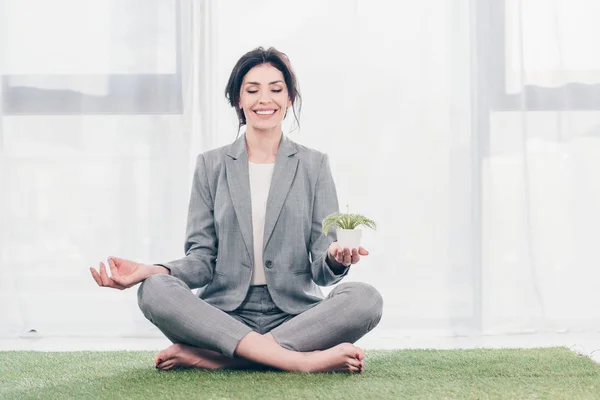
[{"x": 258, "y": 83}]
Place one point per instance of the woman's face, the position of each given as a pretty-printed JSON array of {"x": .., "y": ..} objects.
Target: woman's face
[{"x": 264, "y": 97}]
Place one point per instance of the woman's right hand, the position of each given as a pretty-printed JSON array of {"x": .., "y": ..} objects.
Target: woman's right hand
[{"x": 125, "y": 273}]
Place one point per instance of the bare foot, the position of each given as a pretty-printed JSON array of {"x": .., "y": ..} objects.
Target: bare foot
[
  {"x": 344, "y": 357},
  {"x": 183, "y": 356}
]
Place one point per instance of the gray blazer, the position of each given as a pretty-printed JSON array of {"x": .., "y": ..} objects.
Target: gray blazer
[{"x": 219, "y": 248}]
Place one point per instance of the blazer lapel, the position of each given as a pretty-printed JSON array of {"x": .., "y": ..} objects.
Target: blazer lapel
[
  {"x": 283, "y": 175},
  {"x": 238, "y": 181}
]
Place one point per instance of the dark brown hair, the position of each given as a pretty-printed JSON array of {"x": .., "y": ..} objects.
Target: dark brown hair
[{"x": 250, "y": 60}]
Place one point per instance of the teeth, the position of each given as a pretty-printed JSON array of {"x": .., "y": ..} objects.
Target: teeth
[{"x": 265, "y": 112}]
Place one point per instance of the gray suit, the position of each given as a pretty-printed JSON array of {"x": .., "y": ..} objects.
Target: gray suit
[
  {"x": 219, "y": 256},
  {"x": 302, "y": 194}
]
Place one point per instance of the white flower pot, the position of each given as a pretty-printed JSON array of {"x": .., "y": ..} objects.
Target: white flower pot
[{"x": 349, "y": 238}]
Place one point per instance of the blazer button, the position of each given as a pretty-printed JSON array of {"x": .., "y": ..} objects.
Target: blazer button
[{"x": 269, "y": 264}]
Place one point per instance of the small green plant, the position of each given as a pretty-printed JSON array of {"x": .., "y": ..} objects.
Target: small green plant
[{"x": 346, "y": 221}]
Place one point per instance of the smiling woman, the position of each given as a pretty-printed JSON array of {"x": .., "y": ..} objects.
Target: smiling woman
[
  {"x": 263, "y": 97},
  {"x": 263, "y": 83},
  {"x": 255, "y": 245}
]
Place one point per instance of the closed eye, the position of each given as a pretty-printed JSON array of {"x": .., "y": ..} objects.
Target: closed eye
[{"x": 256, "y": 91}]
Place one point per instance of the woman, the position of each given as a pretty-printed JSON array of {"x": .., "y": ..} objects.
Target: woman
[{"x": 254, "y": 242}]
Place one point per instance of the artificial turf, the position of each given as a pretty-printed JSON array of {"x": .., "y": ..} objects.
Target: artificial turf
[{"x": 552, "y": 373}]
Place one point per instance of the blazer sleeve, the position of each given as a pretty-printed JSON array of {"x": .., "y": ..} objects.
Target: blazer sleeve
[
  {"x": 197, "y": 267},
  {"x": 325, "y": 203}
]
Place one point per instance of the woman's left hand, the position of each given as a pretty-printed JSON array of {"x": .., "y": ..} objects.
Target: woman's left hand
[{"x": 345, "y": 256}]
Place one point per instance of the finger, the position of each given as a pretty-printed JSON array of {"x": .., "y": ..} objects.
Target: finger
[
  {"x": 96, "y": 276},
  {"x": 331, "y": 253},
  {"x": 347, "y": 257},
  {"x": 353, "y": 369},
  {"x": 339, "y": 256},
  {"x": 355, "y": 256},
  {"x": 113, "y": 268},
  {"x": 116, "y": 260},
  {"x": 334, "y": 246},
  {"x": 362, "y": 251},
  {"x": 105, "y": 279},
  {"x": 98, "y": 280}
]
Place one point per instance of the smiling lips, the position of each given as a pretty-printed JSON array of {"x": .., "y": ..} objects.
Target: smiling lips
[{"x": 266, "y": 113}]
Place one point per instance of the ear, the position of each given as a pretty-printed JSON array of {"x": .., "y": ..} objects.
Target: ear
[{"x": 289, "y": 104}]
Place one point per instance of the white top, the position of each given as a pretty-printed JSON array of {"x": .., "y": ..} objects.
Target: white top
[{"x": 260, "y": 182}]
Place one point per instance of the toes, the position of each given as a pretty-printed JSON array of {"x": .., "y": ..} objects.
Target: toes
[
  {"x": 166, "y": 365},
  {"x": 162, "y": 355},
  {"x": 353, "y": 369},
  {"x": 167, "y": 353},
  {"x": 354, "y": 363},
  {"x": 360, "y": 354}
]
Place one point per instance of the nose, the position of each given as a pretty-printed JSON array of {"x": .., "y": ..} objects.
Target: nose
[{"x": 264, "y": 97}]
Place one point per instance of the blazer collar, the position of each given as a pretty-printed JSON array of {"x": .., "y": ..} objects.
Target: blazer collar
[
  {"x": 238, "y": 148},
  {"x": 239, "y": 187}
]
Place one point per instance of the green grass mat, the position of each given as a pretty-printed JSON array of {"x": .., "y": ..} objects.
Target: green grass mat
[{"x": 554, "y": 373}]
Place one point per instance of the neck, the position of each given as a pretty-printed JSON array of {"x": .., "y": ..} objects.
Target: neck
[{"x": 262, "y": 145}]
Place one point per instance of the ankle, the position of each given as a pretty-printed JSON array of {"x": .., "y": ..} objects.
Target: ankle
[{"x": 306, "y": 362}]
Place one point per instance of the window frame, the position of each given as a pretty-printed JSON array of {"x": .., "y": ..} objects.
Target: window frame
[
  {"x": 492, "y": 62},
  {"x": 128, "y": 93}
]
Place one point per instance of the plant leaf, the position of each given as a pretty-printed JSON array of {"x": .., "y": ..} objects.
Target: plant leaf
[{"x": 346, "y": 221}]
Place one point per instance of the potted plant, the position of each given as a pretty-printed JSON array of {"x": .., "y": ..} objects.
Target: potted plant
[{"x": 346, "y": 223}]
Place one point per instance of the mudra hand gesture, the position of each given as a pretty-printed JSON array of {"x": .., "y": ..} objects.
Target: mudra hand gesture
[{"x": 125, "y": 273}]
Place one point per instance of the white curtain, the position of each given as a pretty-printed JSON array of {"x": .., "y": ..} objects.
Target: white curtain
[
  {"x": 100, "y": 121},
  {"x": 478, "y": 161},
  {"x": 541, "y": 170}
]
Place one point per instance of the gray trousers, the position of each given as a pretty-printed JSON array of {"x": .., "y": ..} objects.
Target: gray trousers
[{"x": 348, "y": 313}]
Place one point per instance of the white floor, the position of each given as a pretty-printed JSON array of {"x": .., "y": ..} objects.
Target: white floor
[{"x": 583, "y": 343}]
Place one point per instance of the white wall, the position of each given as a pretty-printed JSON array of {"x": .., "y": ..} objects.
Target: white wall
[{"x": 386, "y": 93}]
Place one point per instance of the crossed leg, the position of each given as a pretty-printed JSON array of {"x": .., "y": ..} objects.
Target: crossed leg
[
  {"x": 183, "y": 355},
  {"x": 344, "y": 357},
  {"x": 318, "y": 340}
]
